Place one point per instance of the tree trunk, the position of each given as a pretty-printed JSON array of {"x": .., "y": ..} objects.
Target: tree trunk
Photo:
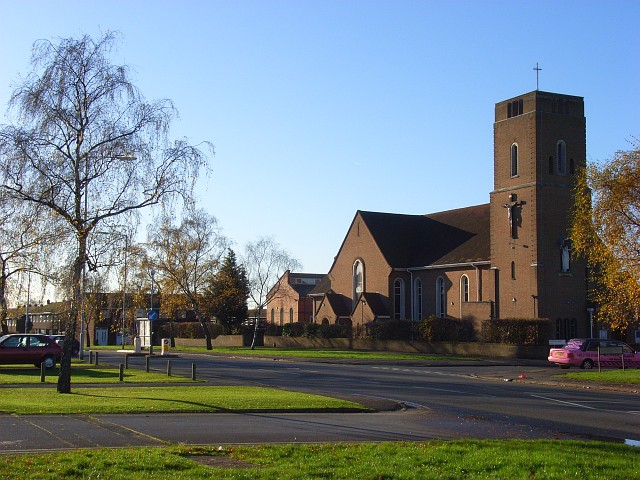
[
  {"x": 3, "y": 300},
  {"x": 64, "y": 377},
  {"x": 203, "y": 324},
  {"x": 207, "y": 333},
  {"x": 255, "y": 330}
]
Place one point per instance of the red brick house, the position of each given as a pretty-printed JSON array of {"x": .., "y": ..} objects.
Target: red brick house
[
  {"x": 288, "y": 299},
  {"x": 509, "y": 258}
]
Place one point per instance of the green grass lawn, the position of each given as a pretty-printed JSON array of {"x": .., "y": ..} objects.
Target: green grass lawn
[
  {"x": 629, "y": 376},
  {"x": 311, "y": 353},
  {"x": 174, "y": 399},
  {"x": 464, "y": 459},
  {"x": 82, "y": 374}
]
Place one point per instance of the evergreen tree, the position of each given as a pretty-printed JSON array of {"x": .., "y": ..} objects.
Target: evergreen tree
[{"x": 228, "y": 294}]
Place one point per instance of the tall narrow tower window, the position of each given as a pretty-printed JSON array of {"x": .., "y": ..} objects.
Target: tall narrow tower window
[
  {"x": 562, "y": 158},
  {"x": 565, "y": 255},
  {"x": 514, "y": 160},
  {"x": 417, "y": 300},
  {"x": 513, "y": 270},
  {"x": 441, "y": 299},
  {"x": 398, "y": 299}
]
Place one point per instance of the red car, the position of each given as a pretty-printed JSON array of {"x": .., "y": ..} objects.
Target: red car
[
  {"x": 586, "y": 352},
  {"x": 29, "y": 348}
]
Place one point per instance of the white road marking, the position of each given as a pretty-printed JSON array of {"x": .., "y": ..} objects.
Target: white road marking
[{"x": 581, "y": 405}]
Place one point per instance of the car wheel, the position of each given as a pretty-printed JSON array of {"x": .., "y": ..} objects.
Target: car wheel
[
  {"x": 49, "y": 362},
  {"x": 587, "y": 364}
]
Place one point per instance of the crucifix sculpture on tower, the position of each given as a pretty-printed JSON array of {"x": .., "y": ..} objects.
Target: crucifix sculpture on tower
[{"x": 511, "y": 207}]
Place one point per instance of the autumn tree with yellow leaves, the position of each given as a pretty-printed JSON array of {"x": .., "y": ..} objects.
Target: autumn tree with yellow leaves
[{"x": 605, "y": 231}]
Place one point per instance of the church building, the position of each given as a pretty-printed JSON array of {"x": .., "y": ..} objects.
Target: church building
[{"x": 509, "y": 258}]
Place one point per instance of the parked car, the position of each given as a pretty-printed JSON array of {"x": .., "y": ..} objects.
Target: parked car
[
  {"x": 29, "y": 348},
  {"x": 59, "y": 339},
  {"x": 583, "y": 353}
]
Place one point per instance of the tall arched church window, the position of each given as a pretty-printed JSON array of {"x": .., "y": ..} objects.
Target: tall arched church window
[
  {"x": 562, "y": 157},
  {"x": 417, "y": 300},
  {"x": 273, "y": 316},
  {"x": 290, "y": 315},
  {"x": 464, "y": 288},
  {"x": 358, "y": 280},
  {"x": 514, "y": 160},
  {"x": 441, "y": 298},
  {"x": 398, "y": 299},
  {"x": 281, "y": 316}
]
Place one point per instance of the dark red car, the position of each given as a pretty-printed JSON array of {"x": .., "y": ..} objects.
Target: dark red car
[{"x": 29, "y": 348}]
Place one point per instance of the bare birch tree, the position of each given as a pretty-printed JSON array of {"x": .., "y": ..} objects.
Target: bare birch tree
[
  {"x": 265, "y": 262},
  {"x": 89, "y": 147}
]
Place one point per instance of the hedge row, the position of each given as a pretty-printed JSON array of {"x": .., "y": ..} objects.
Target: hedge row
[
  {"x": 188, "y": 330},
  {"x": 315, "y": 330},
  {"x": 510, "y": 331},
  {"x": 516, "y": 331},
  {"x": 437, "y": 329}
]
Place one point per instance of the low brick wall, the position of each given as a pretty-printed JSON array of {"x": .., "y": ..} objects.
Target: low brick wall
[
  {"x": 190, "y": 342},
  {"x": 475, "y": 349},
  {"x": 219, "y": 341},
  {"x": 449, "y": 348}
]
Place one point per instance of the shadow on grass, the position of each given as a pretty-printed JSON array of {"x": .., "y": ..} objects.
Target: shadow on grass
[
  {"x": 209, "y": 408},
  {"x": 78, "y": 373}
]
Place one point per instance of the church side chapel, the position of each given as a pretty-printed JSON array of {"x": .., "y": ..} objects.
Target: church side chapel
[{"x": 507, "y": 259}]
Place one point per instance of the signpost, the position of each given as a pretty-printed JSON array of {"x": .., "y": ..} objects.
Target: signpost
[
  {"x": 152, "y": 316},
  {"x": 614, "y": 350}
]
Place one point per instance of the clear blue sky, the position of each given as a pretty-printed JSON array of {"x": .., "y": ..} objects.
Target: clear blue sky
[{"x": 320, "y": 108}]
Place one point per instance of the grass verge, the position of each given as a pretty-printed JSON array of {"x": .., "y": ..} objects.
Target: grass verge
[
  {"x": 628, "y": 376},
  {"x": 319, "y": 354},
  {"x": 83, "y": 374},
  {"x": 468, "y": 459},
  {"x": 170, "y": 399}
]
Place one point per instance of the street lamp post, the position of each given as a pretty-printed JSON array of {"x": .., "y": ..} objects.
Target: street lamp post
[
  {"x": 153, "y": 273},
  {"x": 124, "y": 286}
]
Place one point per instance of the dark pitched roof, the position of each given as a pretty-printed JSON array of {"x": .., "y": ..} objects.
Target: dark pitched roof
[
  {"x": 454, "y": 236},
  {"x": 377, "y": 304},
  {"x": 340, "y": 304},
  {"x": 323, "y": 287}
]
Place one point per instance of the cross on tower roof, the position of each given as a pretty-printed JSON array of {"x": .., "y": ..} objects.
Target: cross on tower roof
[{"x": 537, "y": 69}]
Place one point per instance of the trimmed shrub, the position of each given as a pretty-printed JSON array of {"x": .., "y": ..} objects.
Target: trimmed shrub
[
  {"x": 437, "y": 329},
  {"x": 293, "y": 329},
  {"x": 335, "y": 331},
  {"x": 516, "y": 331},
  {"x": 311, "y": 330},
  {"x": 390, "y": 330}
]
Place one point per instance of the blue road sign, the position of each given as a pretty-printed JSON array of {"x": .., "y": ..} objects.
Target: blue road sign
[{"x": 152, "y": 315}]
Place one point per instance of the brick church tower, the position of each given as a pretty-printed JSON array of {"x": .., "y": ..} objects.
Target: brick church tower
[{"x": 539, "y": 143}]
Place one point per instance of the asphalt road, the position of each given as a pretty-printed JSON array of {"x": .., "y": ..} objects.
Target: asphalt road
[{"x": 459, "y": 400}]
